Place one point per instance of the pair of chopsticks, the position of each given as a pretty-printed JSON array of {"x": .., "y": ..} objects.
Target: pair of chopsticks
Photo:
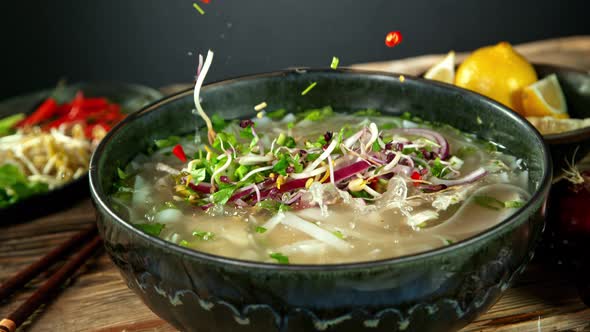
[{"x": 11, "y": 322}]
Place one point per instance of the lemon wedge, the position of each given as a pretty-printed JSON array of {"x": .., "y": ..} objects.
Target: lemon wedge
[
  {"x": 544, "y": 98},
  {"x": 443, "y": 71},
  {"x": 549, "y": 125},
  {"x": 498, "y": 72}
]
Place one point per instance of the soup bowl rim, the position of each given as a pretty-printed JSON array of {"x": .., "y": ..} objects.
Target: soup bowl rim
[{"x": 99, "y": 196}]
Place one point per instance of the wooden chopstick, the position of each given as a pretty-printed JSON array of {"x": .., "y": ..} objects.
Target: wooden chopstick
[
  {"x": 26, "y": 275},
  {"x": 11, "y": 322}
]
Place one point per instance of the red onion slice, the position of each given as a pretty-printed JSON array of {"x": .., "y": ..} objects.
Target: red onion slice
[
  {"x": 432, "y": 135},
  {"x": 469, "y": 178}
]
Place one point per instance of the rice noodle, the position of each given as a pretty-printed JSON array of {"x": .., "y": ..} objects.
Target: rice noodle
[{"x": 315, "y": 231}]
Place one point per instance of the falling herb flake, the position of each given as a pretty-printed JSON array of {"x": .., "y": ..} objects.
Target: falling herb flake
[
  {"x": 198, "y": 8},
  {"x": 335, "y": 62},
  {"x": 280, "y": 258},
  {"x": 184, "y": 243},
  {"x": 260, "y": 106},
  {"x": 260, "y": 229},
  {"x": 311, "y": 86}
]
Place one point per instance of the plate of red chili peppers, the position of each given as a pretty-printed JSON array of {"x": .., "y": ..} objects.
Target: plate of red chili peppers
[{"x": 47, "y": 138}]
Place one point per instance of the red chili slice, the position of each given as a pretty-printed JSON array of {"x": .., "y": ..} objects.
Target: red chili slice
[{"x": 178, "y": 151}]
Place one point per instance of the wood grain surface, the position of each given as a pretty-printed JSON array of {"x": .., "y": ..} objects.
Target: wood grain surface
[{"x": 98, "y": 300}]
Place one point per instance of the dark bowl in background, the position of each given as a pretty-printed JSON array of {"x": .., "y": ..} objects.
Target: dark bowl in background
[
  {"x": 131, "y": 97},
  {"x": 572, "y": 145},
  {"x": 438, "y": 290}
]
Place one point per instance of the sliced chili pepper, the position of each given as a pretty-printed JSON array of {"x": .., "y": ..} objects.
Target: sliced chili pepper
[
  {"x": 416, "y": 176},
  {"x": 178, "y": 151},
  {"x": 44, "y": 112}
]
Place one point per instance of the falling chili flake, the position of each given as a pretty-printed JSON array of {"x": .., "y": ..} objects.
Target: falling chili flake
[
  {"x": 308, "y": 88},
  {"x": 334, "y": 63},
  {"x": 393, "y": 38},
  {"x": 199, "y": 9},
  {"x": 205, "y": 1}
]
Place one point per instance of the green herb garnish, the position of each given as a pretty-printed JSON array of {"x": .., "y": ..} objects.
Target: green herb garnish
[
  {"x": 223, "y": 195},
  {"x": 260, "y": 229},
  {"x": 496, "y": 204},
  {"x": 15, "y": 186},
  {"x": 7, "y": 124},
  {"x": 167, "y": 142},
  {"x": 218, "y": 122},
  {"x": 280, "y": 258},
  {"x": 153, "y": 229},
  {"x": 205, "y": 236}
]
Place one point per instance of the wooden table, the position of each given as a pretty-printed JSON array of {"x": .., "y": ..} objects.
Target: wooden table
[{"x": 98, "y": 300}]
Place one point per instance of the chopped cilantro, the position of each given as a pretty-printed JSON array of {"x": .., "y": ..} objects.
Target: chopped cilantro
[
  {"x": 199, "y": 175},
  {"x": 277, "y": 114},
  {"x": 167, "y": 142},
  {"x": 223, "y": 195},
  {"x": 273, "y": 206},
  {"x": 281, "y": 166},
  {"x": 290, "y": 142},
  {"x": 122, "y": 175},
  {"x": 465, "y": 151},
  {"x": 317, "y": 114},
  {"x": 260, "y": 229},
  {"x": 496, "y": 204},
  {"x": 513, "y": 204},
  {"x": 153, "y": 229},
  {"x": 376, "y": 146},
  {"x": 280, "y": 258},
  {"x": 184, "y": 243},
  {"x": 367, "y": 112},
  {"x": 438, "y": 169},
  {"x": 7, "y": 124},
  {"x": 218, "y": 122},
  {"x": 241, "y": 171},
  {"x": 246, "y": 133},
  {"x": 338, "y": 234},
  {"x": 205, "y": 236},
  {"x": 226, "y": 139},
  {"x": 20, "y": 187}
]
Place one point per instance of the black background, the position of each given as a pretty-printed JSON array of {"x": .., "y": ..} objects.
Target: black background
[{"x": 148, "y": 41}]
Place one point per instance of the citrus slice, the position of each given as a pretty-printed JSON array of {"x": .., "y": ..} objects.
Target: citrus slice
[
  {"x": 544, "y": 98},
  {"x": 443, "y": 71},
  {"x": 549, "y": 125},
  {"x": 498, "y": 72}
]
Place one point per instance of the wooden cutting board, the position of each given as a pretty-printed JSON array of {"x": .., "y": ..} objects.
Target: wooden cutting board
[{"x": 98, "y": 300}]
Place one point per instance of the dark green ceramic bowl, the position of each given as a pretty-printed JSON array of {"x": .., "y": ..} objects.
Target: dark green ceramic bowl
[{"x": 439, "y": 290}]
